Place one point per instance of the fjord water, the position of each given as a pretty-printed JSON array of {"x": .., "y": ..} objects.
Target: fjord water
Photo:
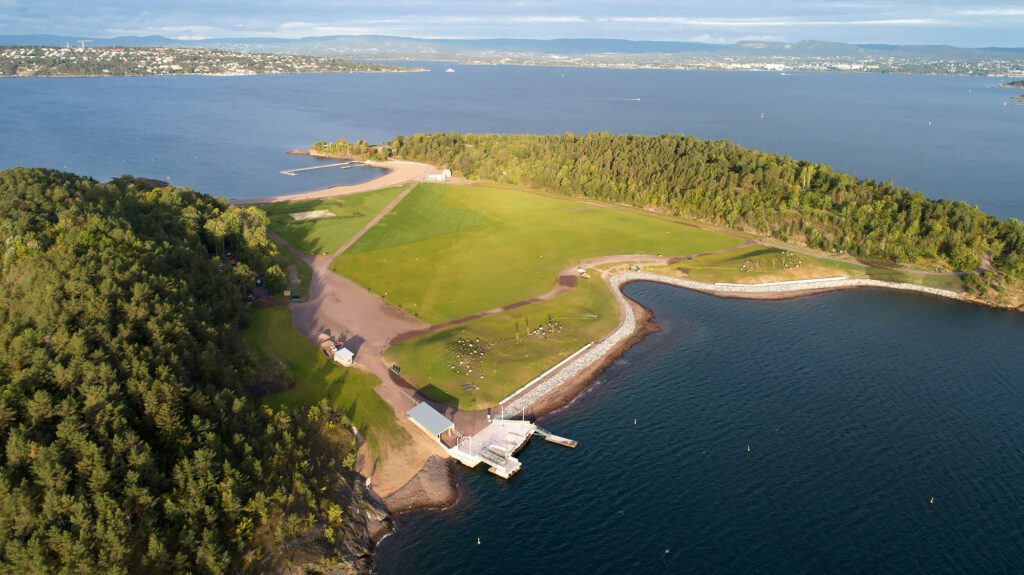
[
  {"x": 857, "y": 407},
  {"x": 947, "y": 137}
]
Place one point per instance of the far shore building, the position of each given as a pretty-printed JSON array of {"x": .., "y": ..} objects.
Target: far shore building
[{"x": 430, "y": 420}]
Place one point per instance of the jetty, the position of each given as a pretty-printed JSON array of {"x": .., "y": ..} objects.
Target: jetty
[
  {"x": 339, "y": 165},
  {"x": 551, "y": 437},
  {"x": 495, "y": 445}
]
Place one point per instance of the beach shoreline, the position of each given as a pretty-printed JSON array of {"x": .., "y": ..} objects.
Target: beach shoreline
[{"x": 398, "y": 172}]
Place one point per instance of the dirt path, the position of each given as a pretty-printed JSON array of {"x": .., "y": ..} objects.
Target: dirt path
[
  {"x": 368, "y": 323},
  {"x": 380, "y": 215},
  {"x": 565, "y": 281},
  {"x": 399, "y": 172}
]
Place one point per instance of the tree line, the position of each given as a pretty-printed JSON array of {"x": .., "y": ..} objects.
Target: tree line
[
  {"x": 726, "y": 184},
  {"x": 129, "y": 442}
]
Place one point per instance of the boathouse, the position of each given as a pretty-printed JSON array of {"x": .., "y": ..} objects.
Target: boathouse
[{"x": 428, "y": 419}]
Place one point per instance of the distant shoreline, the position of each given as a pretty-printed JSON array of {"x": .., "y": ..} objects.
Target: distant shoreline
[{"x": 218, "y": 75}]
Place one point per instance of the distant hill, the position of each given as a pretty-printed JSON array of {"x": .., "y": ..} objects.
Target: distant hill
[{"x": 562, "y": 46}]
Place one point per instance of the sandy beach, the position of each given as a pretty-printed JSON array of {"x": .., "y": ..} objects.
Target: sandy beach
[{"x": 399, "y": 172}]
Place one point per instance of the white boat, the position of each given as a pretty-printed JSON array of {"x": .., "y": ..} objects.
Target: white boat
[{"x": 449, "y": 70}]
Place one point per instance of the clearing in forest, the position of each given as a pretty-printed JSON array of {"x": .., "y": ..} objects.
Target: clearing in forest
[
  {"x": 450, "y": 251},
  {"x": 283, "y": 353}
]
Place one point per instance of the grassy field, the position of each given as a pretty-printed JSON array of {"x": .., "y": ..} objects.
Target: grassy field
[
  {"x": 508, "y": 349},
  {"x": 326, "y": 235},
  {"x": 762, "y": 264},
  {"x": 299, "y": 274},
  {"x": 271, "y": 338},
  {"x": 450, "y": 251}
]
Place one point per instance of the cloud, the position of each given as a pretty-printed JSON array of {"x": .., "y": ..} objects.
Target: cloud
[{"x": 910, "y": 21}]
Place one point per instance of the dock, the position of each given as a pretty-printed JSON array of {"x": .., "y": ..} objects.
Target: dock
[
  {"x": 339, "y": 165},
  {"x": 548, "y": 436},
  {"x": 497, "y": 444}
]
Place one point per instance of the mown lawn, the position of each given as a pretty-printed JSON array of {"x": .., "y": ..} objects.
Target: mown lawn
[
  {"x": 510, "y": 355},
  {"x": 450, "y": 251},
  {"x": 271, "y": 338},
  {"x": 326, "y": 235}
]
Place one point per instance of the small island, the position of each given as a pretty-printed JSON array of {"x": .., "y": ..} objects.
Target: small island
[
  {"x": 1019, "y": 84},
  {"x": 50, "y": 61}
]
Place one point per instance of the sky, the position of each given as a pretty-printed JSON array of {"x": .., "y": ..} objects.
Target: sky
[{"x": 961, "y": 23}]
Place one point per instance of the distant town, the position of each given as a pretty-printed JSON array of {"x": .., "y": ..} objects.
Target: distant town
[
  {"x": 83, "y": 60},
  {"x": 1009, "y": 67}
]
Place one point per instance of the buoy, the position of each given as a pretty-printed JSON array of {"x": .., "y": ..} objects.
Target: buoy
[
  {"x": 932, "y": 502},
  {"x": 477, "y": 540}
]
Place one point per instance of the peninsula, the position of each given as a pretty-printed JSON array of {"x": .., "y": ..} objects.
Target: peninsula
[
  {"x": 121, "y": 61},
  {"x": 482, "y": 277}
]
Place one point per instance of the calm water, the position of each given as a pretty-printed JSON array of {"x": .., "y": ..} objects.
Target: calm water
[
  {"x": 858, "y": 407},
  {"x": 227, "y": 136}
]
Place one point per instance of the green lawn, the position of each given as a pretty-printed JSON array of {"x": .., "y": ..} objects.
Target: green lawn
[
  {"x": 500, "y": 362},
  {"x": 271, "y": 338},
  {"x": 299, "y": 274},
  {"x": 450, "y": 251},
  {"x": 326, "y": 235}
]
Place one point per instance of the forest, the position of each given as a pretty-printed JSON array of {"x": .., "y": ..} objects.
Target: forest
[
  {"x": 130, "y": 444},
  {"x": 725, "y": 184}
]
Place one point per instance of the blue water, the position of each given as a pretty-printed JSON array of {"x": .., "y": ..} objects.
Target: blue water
[
  {"x": 227, "y": 135},
  {"x": 858, "y": 408}
]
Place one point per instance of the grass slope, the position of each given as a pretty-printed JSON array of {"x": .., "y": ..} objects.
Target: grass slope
[
  {"x": 270, "y": 336},
  {"x": 500, "y": 362},
  {"x": 762, "y": 264},
  {"x": 450, "y": 251},
  {"x": 326, "y": 235}
]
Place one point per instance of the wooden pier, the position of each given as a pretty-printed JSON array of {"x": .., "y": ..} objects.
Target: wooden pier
[
  {"x": 339, "y": 165},
  {"x": 548, "y": 436}
]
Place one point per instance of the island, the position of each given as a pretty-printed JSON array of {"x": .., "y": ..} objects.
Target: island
[
  {"x": 125, "y": 61},
  {"x": 1019, "y": 84},
  {"x": 259, "y": 386}
]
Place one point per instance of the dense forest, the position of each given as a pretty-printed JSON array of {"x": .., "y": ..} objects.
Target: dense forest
[
  {"x": 129, "y": 442},
  {"x": 722, "y": 183},
  {"x": 344, "y": 149}
]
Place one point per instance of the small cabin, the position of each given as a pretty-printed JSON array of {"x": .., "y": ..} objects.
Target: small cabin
[
  {"x": 344, "y": 356},
  {"x": 441, "y": 176}
]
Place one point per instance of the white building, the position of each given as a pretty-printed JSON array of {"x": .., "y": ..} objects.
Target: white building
[
  {"x": 344, "y": 356},
  {"x": 441, "y": 176}
]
